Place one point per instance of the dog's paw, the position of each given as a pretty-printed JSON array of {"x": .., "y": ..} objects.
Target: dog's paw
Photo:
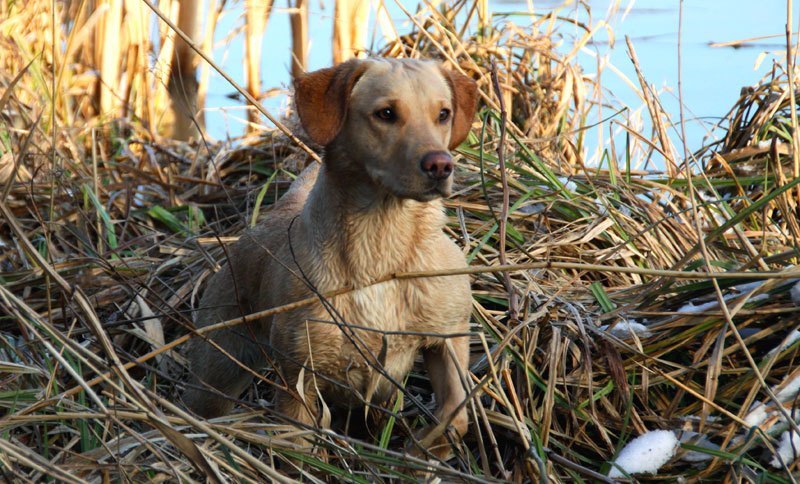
[{"x": 426, "y": 445}]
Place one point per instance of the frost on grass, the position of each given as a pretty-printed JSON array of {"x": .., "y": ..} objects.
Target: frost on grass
[
  {"x": 645, "y": 454},
  {"x": 788, "y": 449}
]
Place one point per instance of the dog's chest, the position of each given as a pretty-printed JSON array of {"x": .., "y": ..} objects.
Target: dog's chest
[
  {"x": 383, "y": 321},
  {"x": 389, "y": 306}
]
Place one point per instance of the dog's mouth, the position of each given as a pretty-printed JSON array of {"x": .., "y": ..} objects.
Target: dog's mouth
[
  {"x": 414, "y": 188},
  {"x": 435, "y": 192},
  {"x": 441, "y": 189}
]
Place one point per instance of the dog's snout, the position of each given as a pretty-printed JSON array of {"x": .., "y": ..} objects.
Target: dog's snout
[{"x": 438, "y": 165}]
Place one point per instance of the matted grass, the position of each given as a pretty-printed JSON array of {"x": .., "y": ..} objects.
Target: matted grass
[{"x": 109, "y": 232}]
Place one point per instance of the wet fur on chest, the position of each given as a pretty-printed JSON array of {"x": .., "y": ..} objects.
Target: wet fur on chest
[{"x": 365, "y": 327}]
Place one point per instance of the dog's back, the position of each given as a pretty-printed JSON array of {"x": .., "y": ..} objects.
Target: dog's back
[{"x": 229, "y": 295}]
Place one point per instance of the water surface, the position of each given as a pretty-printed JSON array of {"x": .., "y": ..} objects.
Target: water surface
[{"x": 712, "y": 77}]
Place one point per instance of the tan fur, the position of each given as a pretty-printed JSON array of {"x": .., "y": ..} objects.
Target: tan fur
[{"x": 368, "y": 211}]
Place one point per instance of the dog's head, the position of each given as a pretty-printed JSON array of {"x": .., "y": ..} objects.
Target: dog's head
[{"x": 393, "y": 121}]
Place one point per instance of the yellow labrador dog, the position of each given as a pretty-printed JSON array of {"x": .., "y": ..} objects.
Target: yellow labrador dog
[{"x": 371, "y": 209}]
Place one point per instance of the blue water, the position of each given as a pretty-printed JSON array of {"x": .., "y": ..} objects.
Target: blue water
[{"x": 712, "y": 77}]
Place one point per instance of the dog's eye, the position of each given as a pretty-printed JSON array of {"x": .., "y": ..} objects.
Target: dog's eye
[
  {"x": 444, "y": 115},
  {"x": 386, "y": 114}
]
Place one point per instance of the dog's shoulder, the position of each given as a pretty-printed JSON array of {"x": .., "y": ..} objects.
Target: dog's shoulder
[
  {"x": 289, "y": 205},
  {"x": 304, "y": 182}
]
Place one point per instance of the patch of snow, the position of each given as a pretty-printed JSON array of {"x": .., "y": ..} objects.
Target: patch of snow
[
  {"x": 623, "y": 329},
  {"x": 569, "y": 185},
  {"x": 690, "y": 307},
  {"x": 694, "y": 307},
  {"x": 601, "y": 207},
  {"x": 746, "y": 169},
  {"x": 747, "y": 287},
  {"x": 789, "y": 390},
  {"x": 697, "y": 418},
  {"x": 757, "y": 414},
  {"x": 532, "y": 208},
  {"x": 719, "y": 218},
  {"x": 795, "y": 293},
  {"x": 788, "y": 449},
  {"x": 788, "y": 341},
  {"x": 697, "y": 440},
  {"x": 645, "y": 454},
  {"x": 139, "y": 198},
  {"x": 706, "y": 196}
]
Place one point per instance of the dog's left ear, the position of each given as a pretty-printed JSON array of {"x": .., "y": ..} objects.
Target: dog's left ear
[
  {"x": 322, "y": 97},
  {"x": 465, "y": 101}
]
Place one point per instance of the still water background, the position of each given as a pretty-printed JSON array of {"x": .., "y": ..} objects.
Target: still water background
[{"x": 712, "y": 77}]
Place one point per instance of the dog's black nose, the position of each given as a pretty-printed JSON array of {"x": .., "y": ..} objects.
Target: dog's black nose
[{"x": 437, "y": 164}]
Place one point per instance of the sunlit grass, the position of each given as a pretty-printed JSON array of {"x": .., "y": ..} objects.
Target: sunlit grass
[{"x": 107, "y": 222}]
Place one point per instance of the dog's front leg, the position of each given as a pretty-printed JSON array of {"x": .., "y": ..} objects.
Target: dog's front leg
[
  {"x": 447, "y": 364},
  {"x": 299, "y": 409}
]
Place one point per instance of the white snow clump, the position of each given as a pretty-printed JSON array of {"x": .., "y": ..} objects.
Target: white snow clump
[
  {"x": 795, "y": 293},
  {"x": 645, "y": 454},
  {"x": 786, "y": 449},
  {"x": 623, "y": 329}
]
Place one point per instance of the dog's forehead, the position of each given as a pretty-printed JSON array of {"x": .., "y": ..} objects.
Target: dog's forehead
[{"x": 402, "y": 79}]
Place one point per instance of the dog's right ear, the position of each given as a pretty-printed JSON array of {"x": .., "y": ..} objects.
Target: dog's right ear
[{"x": 322, "y": 97}]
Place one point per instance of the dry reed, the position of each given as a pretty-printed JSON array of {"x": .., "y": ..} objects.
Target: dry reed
[{"x": 108, "y": 233}]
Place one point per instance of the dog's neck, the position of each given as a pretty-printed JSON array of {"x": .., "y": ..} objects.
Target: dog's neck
[{"x": 362, "y": 232}]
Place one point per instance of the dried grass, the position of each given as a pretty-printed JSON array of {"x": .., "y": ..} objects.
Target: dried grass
[{"x": 108, "y": 235}]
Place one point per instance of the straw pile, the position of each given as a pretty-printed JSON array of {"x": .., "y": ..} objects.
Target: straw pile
[{"x": 608, "y": 326}]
